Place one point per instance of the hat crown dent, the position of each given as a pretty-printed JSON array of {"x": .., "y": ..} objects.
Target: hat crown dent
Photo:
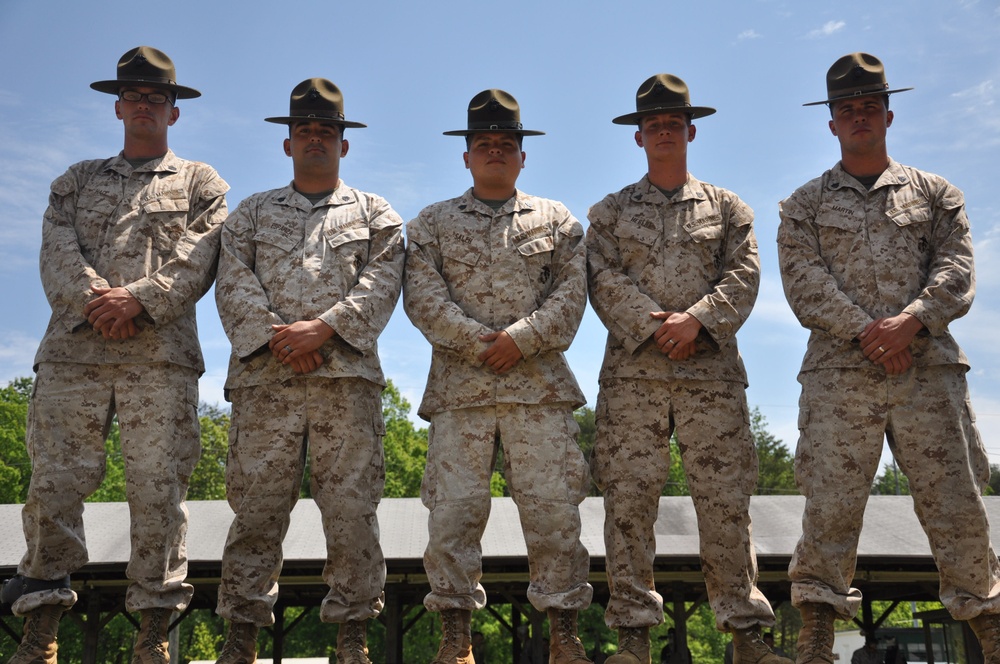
[
  {"x": 316, "y": 99},
  {"x": 856, "y": 75},
  {"x": 145, "y": 65},
  {"x": 663, "y": 93},
  {"x": 493, "y": 110}
]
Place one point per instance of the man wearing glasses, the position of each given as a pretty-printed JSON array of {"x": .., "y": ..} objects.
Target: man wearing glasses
[{"x": 129, "y": 245}]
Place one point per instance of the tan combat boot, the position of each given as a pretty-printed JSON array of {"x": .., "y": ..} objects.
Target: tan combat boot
[
  {"x": 152, "y": 644},
  {"x": 815, "y": 644},
  {"x": 352, "y": 643},
  {"x": 38, "y": 643},
  {"x": 456, "y": 638},
  {"x": 633, "y": 646},
  {"x": 564, "y": 644},
  {"x": 987, "y": 629},
  {"x": 749, "y": 648},
  {"x": 241, "y": 644}
]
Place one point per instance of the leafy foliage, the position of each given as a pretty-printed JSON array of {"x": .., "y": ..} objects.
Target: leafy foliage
[{"x": 201, "y": 633}]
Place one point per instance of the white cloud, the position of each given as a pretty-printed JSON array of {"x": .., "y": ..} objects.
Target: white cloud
[
  {"x": 17, "y": 353},
  {"x": 748, "y": 34},
  {"x": 983, "y": 94},
  {"x": 829, "y": 28}
]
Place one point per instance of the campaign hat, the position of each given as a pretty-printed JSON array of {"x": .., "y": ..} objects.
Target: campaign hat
[
  {"x": 663, "y": 93},
  {"x": 145, "y": 66}
]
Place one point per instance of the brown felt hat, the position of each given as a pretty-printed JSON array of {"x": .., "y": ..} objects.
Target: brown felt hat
[
  {"x": 316, "y": 99},
  {"x": 493, "y": 111},
  {"x": 663, "y": 93},
  {"x": 145, "y": 66},
  {"x": 855, "y": 75}
]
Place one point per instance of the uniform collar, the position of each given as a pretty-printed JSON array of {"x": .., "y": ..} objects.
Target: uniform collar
[
  {"x": 342, "y": 195},
  {"x": 893, "y": 175},
  {"x": 517, "y": 203},
  {"x": 647, "y": 192},
  {"x": 168, "y": 163}
]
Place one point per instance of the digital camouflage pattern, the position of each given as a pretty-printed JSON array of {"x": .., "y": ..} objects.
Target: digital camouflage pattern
[
  {"x": 342, "y": 419},
  {"x": 68, "y": 421},
  {"x": 693, "y": 252},
  {"x": 849, "y": 256},
  {"x": 471, "y": 271},
  {"x": 153, "y": 230},
  {"x": 548, "y": 479},
  {"x": 285, "y": 260}
]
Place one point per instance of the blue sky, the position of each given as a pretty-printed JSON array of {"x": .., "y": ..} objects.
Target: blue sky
[{"x": 408, "y": 70}]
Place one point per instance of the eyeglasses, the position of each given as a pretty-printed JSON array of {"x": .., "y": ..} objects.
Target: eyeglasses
[{"x": 151, "y": 97}]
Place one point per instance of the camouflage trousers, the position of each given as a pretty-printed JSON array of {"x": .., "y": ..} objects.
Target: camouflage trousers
[
  {"x": 631, "y": 462},
  {"x": 844, "y": 417},
  {"x": 337, "y": 424},
  {"x": 548, "y": 479},
  {"x": 69, "y": 417}
]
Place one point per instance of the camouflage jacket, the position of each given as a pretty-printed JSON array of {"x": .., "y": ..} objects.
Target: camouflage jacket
[
  {"x": 850, "y": 256},
  {"x": 694, "y": 252},
  {"x": 285, "y": 260},
  {"x": 153, "y": 230},
  {"x": 472, "y": 271}
]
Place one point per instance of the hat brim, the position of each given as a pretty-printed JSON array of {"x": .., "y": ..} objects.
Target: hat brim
[
  {"x": 470, "y": 132},
  {"x": 694, "y": 111},
  {"x": 878, "y": 93},
  {"x": 114, "y": 86},
  {"x": 295, "y": 119}
]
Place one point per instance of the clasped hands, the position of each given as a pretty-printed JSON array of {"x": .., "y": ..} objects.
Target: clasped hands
[
  {"x": 112, "y": 312},
  {"x": 297, "y": 344},
  {"x": 886, "y": 342}
]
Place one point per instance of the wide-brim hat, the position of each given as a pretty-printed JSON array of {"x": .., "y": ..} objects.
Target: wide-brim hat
[
  {"x": 663, "y": 93},
  {"x": 493, "y": 111},
  {"x": 145, "y": 66},
  {"x": 316, "y": 99},
  {"x": 855, "y": 75}
]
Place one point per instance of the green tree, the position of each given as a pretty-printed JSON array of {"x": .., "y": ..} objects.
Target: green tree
[
  {"x": 777, "y": 465},
  {"x": 993, "y": 488},
  {"x": 208, "y": 481},
  {"x": 15, "y": 467},
  {"x": 892, "y": 482},
  {"x": 405, "y": 446}
]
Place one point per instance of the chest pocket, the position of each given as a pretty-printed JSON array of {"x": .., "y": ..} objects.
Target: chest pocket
[
  {"x": 919, "y": 214},
  {"x": 458, "y": 267},
  {"x": 279, "y": 241},
  {"x": 167, "y": 218},
  {"x": 636, "y": 245},
  {"x": 455, "y": 251},
  {"x": 705, "y": 231},
  {"x": 916, "y": 231},
  {"x": 831, "y": 221},
  {"x": 350, "y": 246},
  {"x": 536, "y": 246}
]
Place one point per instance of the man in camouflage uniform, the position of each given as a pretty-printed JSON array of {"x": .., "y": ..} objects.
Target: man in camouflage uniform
[
  {"x": 129, "y": 244},
  {"x": 673, "y": 274},
  {"x": 495, "y": 279},
  {"x": 308, "y": 278},
  {"x": 876, "y": 261}
]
